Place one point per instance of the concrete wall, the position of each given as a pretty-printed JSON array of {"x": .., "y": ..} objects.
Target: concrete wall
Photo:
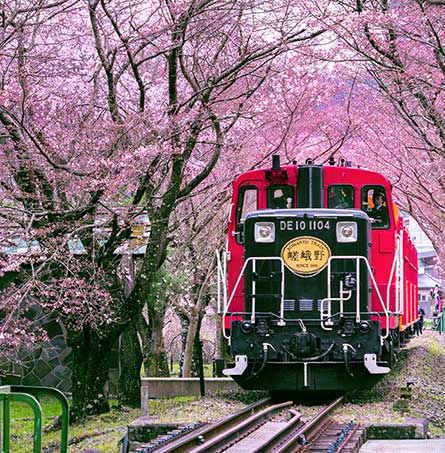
[{"x": 164, "y": 387}]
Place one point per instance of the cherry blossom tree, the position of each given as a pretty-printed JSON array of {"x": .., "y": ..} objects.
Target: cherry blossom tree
[
  {"x": 399, "y": 47},
  {"x": 110, "y": 111},
  {"x": 200, "y": 233},
  {"x": 285, "y": 119}
]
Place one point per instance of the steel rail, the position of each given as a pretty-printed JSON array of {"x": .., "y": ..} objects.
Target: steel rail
[
  {"x": 293, "y": 442},
  {"x": 240, "y": 429},
  {"x": 190, "y": 441},
  {"x": 283, "y": 433}
]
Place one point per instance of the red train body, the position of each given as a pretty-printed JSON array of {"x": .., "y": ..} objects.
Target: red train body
[{"x": 321, "y": 278}]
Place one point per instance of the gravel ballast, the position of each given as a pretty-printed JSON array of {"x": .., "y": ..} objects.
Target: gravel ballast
[{"x": 415, "y": 388}]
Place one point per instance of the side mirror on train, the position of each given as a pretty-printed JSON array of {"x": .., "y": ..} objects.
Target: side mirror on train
[{"x": 238, "y": 234}]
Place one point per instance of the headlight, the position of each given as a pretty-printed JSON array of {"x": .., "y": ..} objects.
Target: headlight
[
  {"x": 246, "y": 327},
  {"x": 346, "y": 232},
  {"x": 364, "y": 327},
  {"x": 264, "y": 232}
]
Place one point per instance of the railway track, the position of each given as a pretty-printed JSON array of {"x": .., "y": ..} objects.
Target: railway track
[
  {"x": 320, "y": 434},
  {"x": 241, "y": 420},
  {"x": 264, "y": 427}
]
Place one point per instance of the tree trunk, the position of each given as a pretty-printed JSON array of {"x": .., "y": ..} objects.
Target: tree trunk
[
  {"x": 156, "y": 363},
  {"x": 188, "y": 350},
  {"x": 130, "y": 353},
  {"x": 154, "y": 355},
  {"x": 130, "y": 362},
  {"x": 184, "y": 329},
  {"x": 219, "y": 352},
  {"x": 199, "y": 361},
  {"x": 219, "y": 341},
  {"x": 198, "y": 352},
  {"x": 89, "y": 375}
]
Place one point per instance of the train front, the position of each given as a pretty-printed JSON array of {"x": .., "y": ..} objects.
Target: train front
[{"x": 306, "y": 323}]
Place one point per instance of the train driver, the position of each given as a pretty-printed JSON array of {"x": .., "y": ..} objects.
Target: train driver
[{"x": 380, "y": 212}]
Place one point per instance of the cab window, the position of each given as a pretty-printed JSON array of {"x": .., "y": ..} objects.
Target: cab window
[
  {"x": 374, "y": 203},
  {"x": 247, "y": 202},
  {"x": 341, "y": 196},
  {"x": 280, "y": 196}
]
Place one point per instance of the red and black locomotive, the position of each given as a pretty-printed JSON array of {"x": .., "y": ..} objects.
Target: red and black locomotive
[{"x": 321, "y": 278}]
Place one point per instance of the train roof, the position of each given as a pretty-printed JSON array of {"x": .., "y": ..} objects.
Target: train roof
[{"x": 353, "y": 174}]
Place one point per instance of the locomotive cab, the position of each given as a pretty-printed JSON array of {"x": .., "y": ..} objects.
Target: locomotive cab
[{"x": 305, "y": 300}]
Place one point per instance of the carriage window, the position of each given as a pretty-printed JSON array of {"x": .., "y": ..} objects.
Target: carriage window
[
  {"x": 374, "y": 203},
  {"x": 280, "y": 196},
  {"x": 341, "y": 196},
  {"x": 247, "y": 202}
]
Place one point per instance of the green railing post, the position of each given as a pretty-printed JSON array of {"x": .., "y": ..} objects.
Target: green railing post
[
  {"x": 441, "y": 322},
  {"x": 5, "y": 417},
  {"x": 57, "y": 394},
  {"x": 35, "y": 406},
  {"x": 27, "y": 394},
  {"x": 6, "y": 396}
]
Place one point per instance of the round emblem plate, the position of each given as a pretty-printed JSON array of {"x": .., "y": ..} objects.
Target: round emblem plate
[{"x": 306, "y": 256}]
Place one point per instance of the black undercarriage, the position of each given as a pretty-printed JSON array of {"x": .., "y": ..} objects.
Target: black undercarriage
[
  {"x": 306, "y": 355},
  {"x": 321, "y": 376}
]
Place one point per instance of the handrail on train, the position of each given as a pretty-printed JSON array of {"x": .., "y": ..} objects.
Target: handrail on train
[
  {"x": 358, "y": 258},
  {"x": 221, "y": 276},
  {"x": 253, "y": 259}
]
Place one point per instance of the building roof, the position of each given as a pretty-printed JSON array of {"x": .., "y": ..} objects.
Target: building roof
[
  {"x": 427, "y": 281},
  {"x": 426, "y": 252}
]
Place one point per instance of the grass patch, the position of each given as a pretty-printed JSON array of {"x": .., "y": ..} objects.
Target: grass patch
[
  {"x": 22, "y": 422},
  {"x": 175, "y": 369},
  {"x": 101, "y": 432}
]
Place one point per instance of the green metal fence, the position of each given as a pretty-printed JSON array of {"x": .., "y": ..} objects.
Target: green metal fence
[{"x": 30, "y": 395}]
